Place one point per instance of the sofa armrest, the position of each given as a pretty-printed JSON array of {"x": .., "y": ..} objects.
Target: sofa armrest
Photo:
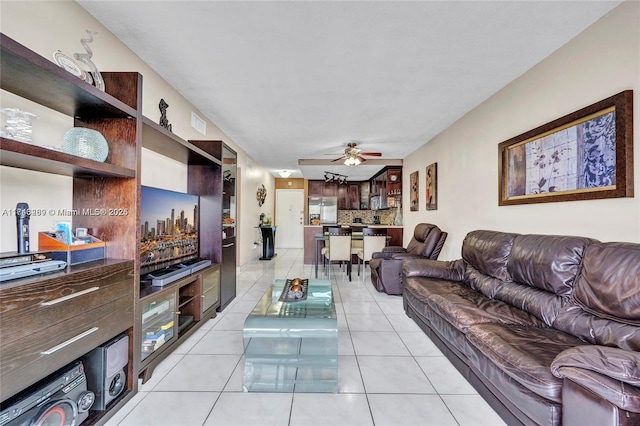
[
  {"x": 394, "y": 249},
  {"x": 406, "y": 256},
  {"x": 446, "y": 270},
  {"x": 611, "y": 373},
  {"x": 382, "y": 255}
]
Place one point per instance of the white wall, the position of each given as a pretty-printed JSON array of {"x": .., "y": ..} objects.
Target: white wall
[
  {"x": 47, "y": 26},
  {"x": 600, "y": 62}
]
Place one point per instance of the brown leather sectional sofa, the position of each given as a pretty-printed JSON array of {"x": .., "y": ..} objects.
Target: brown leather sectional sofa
[{"x": 545, "y": 327}]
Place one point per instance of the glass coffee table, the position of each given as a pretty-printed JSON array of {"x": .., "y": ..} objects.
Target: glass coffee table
[{"x": 292, "y": 347}]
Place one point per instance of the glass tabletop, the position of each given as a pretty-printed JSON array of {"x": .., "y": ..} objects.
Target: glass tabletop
[{"x": 318, "y": 304}]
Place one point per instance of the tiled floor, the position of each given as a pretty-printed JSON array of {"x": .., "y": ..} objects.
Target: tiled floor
[{"x": 390, "y": 373}]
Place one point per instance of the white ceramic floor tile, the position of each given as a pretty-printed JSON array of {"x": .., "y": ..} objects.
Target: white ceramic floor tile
[
  {"x": 472, "y": 410},
  {"x": 409, "y": 410},
  {"x": 190, "y": 342},
  {"x": 237, "y": 378},
  {"x": 368, "y": 323},
  {"x": 220, "y": 342},
  {"x": 345, "y": 346},
  {"x": 419, "y": 344},
  {"x": 172, "y": 409},
  {"x": 230, "y": 322},
  {"x": 444, "y": 376},
  {"x": 349, "y": 377},
  {"x": 384, "y": 374},
  {"x": 247, "y": 409},
  {"x": 199, "y": 373},
  {"x": 378, "y": 343},
  {"x": 402, "y": 323},
  {"x": 361, "y": 308},
  {"x": 161, "y": 370},
  {"x": 391, "y": 307},
  {"x": 343, "y": 409},
  {"x": 124, "y": 411}
]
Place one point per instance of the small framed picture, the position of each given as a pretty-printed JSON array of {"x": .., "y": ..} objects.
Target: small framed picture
[{"x": 431, "y": 191}]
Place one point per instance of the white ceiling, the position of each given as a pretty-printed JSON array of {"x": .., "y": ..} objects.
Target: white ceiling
[{"x": 299, "y": 80}]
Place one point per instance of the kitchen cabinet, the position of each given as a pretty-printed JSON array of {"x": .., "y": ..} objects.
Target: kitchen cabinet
[{"x": 386, "y": 189}]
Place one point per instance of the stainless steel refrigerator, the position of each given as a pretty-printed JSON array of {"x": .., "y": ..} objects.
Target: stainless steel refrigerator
[{"x": 323, "y": 210}]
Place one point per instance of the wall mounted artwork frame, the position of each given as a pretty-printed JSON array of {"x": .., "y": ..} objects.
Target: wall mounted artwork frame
[
  {"x": 431, "y": 189},
  {"x": 585, "y": 155},
  {"x": 413, "y": 193}
]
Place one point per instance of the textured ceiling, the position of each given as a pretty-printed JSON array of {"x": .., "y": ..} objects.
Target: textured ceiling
[{"x": 299, "y": 80}]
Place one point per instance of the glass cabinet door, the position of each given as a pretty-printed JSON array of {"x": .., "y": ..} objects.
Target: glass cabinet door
[
  {"x": 210, "y": 287},
  {"x": 229, "y": 169},
  {"x": 158, "y": 323}
]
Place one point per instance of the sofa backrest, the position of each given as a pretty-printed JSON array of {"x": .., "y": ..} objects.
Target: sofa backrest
[
  {"x": 427, "y": 240},
  {"x": 543, "y": 270},
  {"x": 486, "y": 254},
  {"x": 605, "y": 309},
  {"x": 535, "y": 273}
]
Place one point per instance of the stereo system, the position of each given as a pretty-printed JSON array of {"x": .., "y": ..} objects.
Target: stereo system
[
  {"x": 106, "y": 370},
  {"x": 60, "y": 399},
  {"x": 65, "y": 397}
]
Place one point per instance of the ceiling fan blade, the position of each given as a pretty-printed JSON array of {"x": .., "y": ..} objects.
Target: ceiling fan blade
[
  {"x": 372, "y": 154},
  {"x": 337, "y": 159},
  {"x": 362, "y": 159}
]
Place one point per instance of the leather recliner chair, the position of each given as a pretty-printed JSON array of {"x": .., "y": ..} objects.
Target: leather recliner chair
[{"x": 386, "y": 266}]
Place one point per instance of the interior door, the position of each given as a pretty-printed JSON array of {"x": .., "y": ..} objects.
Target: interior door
[{"x": 289, "y": 218}]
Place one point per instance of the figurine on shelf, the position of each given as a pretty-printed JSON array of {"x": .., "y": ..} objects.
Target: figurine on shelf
[{"x": 164, "y": 122}]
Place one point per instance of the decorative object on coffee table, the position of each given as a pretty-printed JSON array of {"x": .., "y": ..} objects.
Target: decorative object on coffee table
[
  {"x": 585, "y": 155},
  {"x": 294, "y": 290}
]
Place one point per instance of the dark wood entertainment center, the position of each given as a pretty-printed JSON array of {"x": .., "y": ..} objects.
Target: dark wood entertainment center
[{"x": 66, "y": 314}]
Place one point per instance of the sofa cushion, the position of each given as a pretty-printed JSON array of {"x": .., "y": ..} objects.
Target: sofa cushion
[
  {"x": 549, "y": 262},
  {"x": 464, "y": 307},
  {"x": 605, "y": 309},
  {"x": 609, "y": 286},
  {"x": 488, "y": 252},
  {"x": 524, "y": 353}
]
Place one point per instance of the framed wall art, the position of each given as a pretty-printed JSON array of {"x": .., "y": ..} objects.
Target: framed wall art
[
  {"x": 585, "y": 155},
  {"x": 413, "y": 194},
  {"x": 431, "y": 191}
]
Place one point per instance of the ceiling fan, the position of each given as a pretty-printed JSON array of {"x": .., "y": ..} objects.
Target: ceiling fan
[{"x": 354, "y": 156}]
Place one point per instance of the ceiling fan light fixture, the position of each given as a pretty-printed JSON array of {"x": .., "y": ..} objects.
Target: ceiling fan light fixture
[{"x": 352, "y": 161}]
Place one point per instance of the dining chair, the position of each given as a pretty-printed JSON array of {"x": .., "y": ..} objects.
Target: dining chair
[
  {"x": 338, "y": 249},
  {"x": 373, "y": 240}
]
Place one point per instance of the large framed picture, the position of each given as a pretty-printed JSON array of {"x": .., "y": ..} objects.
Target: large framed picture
[
  {"x": 413, "y": 194},
  {"x": 431, "y": 191},
  {"x": 584, "y": 155}
]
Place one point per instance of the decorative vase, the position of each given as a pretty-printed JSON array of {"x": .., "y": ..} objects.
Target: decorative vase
[{"x": 85, "y": 143}]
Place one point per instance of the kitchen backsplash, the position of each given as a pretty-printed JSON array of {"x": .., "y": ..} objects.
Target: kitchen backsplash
[{"x": 386, "y": 216}]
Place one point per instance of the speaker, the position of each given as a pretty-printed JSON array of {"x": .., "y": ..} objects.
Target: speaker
[
  {"x": 60, "y": 399},
  {"x": 106, "y": 370}
]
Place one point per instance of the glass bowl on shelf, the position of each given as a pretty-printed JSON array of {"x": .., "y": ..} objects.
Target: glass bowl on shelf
[{"x": 85, "y": 143}]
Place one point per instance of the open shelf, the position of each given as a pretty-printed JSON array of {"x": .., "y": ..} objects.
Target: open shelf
[
  {"x": 33, "y": 157},
  {"x": 29, "y": 75},
  {"x": 160, "y": 140}
]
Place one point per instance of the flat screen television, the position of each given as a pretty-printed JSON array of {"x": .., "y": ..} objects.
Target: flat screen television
[{"x": 169, "y": 223}]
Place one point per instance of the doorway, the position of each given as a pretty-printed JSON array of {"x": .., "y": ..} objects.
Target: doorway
[{"x": 289, "y": 218}]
